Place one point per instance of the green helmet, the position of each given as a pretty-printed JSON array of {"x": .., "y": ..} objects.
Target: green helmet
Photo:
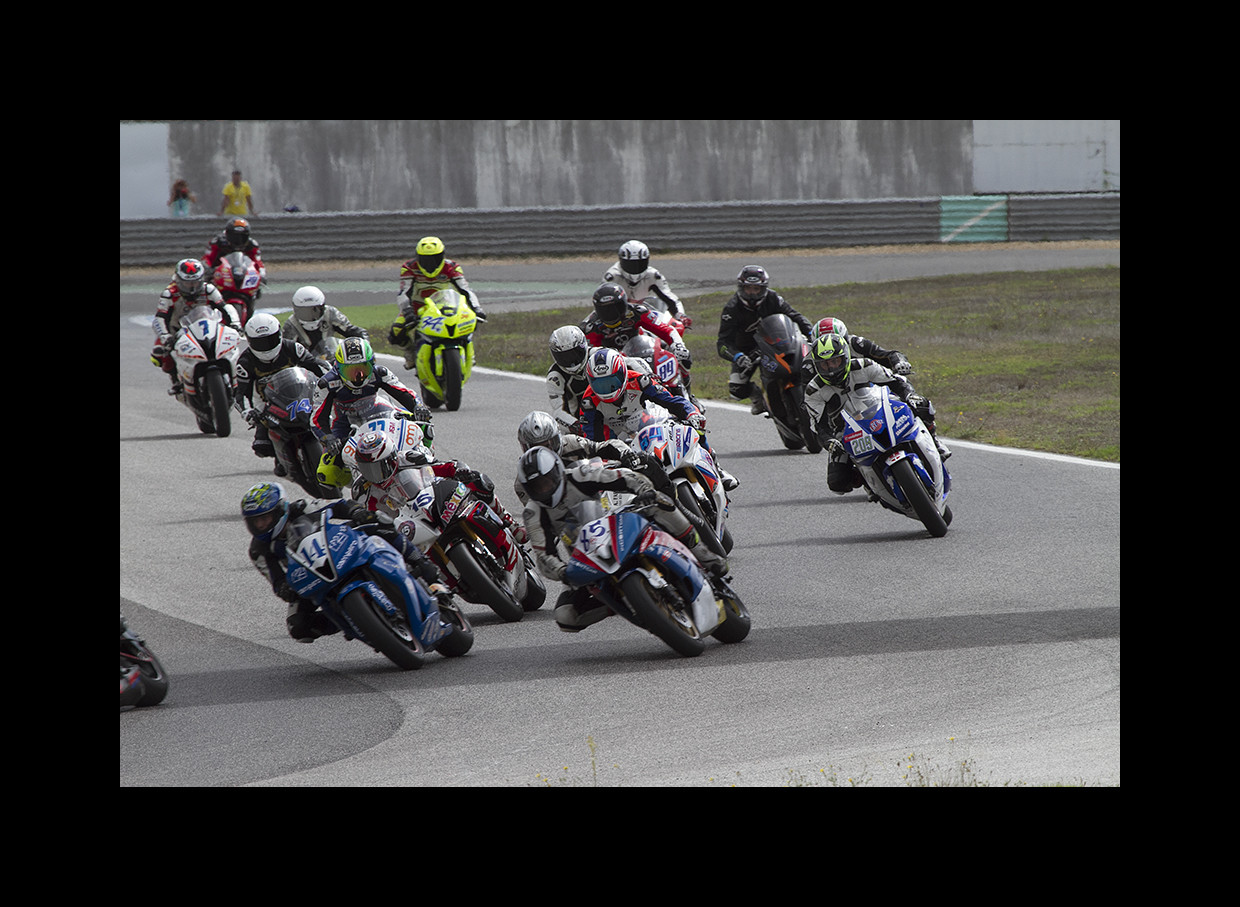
[
  {"x": 832, "y": 358},
  {"x": 355, "y": 361}
]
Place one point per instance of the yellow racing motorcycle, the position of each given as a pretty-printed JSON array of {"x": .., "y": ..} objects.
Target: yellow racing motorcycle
[{"x": 446, "y": 347}]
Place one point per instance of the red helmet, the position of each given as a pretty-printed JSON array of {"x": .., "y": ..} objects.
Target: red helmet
[{"x": 608, "y": 373}]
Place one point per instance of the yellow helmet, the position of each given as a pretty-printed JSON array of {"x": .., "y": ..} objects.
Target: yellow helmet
[{"x": 430, "y": 255}]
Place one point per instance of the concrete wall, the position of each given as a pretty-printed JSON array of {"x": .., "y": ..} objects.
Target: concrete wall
[{"x": 395, "y": 165}]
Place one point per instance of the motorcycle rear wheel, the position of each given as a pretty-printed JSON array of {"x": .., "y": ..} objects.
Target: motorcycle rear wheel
[
  {"x": 689, "y": 501},
  {"x": 154, "y": 678},
  {"x": 917, "y": 496},
  {"x": 736, "y": 623},
  {"x": 655, "y": 617},
  {"x": 406, "y": 653},
  {"x": 481, "y": 587},
  {"x": 460, "y": 640}
]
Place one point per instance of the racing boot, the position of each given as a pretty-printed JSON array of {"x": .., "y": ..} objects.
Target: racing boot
[
  {"x": 713, "y": 564},
  {"x": 575, "y": 611}
]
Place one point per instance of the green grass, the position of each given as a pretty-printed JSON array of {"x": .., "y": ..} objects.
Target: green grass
[{"x": 1026, "y": 359}]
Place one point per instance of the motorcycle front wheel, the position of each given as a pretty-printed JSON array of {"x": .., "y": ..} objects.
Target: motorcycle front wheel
[
  {"x": 479, "y": 587},
  {"x": 395, "y": 640},
  {"x": 450, "y": 381},
  {"x": 656, "y": 616},
  {"x": 221, "y": 402},
  {"x": 917, "y": 496},
  {"x": 154, "y": 678}
]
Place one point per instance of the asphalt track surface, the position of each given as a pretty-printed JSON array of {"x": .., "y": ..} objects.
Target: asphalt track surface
[{"x": 992, "y": 652}]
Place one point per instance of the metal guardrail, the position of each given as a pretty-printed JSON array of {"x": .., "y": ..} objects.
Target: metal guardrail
[{"x": 713, "y": 226}]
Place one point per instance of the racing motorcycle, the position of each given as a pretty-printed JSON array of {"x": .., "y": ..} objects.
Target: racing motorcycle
[
  {"x": 446, "y": 355},
  {"x": 205, "y": 354},
  {"x": 781, "y": 349},
  {"x": 452, "y": 523},
  {"x": 651, "y": 580},
  {"x": 237, "y": 279},
  {"x": 699, "y": 489},
  {"x": 663, "y": 363},
  {"x": 896, "y": 457},
  {"x": 143, "y": 679},
  {"x": 364, "y": 587},
  {"x": 288, "y": 396}
]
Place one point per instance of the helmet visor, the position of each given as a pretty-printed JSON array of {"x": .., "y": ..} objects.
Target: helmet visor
[
  {"x": 570, "y": 359},
  {"x": 377, "y": 473},
  {"x": 751, "y": 292},
  {"x": 262, "y": 523},
  {"x": 265, "y": 343},
  {"x": 543, "y": 488},
  {"x": 633, "y": 266},
  {"x": 608, "y": 386},
  {"x": 430, "y": 264},
  {"x": 309, "y": 316},
  {"x": 357, "y": 374}
]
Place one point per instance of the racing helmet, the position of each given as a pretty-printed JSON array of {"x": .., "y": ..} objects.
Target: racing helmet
[
  {"x": 538, "y": 429},
  {"x": 237, "y": 232},
  {"x": 430, "y": 255},
  {"x": 610, "y": 303},
  {"x": 642, "y": 346},
  {"x": 309, "y": 305},
  {"x": 608, "y": 373},
  {"x": 569, "y": 347},
  {"x": 265, "y": 510},
  {"x": 832, "y": 358},
  {"x": 375, "y": 456},
  {"x": 541, "y": 473},
  {"x": 828, "y": 325},
  {"x": 751, "y": 284},
  {"x": 190, "y": 277},
  {"x": 263, "y": 334},
  {"x": 634, "y": 257},
  {"x": 355, "y": 361}
]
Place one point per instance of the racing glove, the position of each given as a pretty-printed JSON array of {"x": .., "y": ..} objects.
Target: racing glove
[{"x": 743, "y": 363}]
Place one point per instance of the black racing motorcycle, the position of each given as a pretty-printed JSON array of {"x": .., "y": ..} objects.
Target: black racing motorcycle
[{"x": 781, "y": 351}]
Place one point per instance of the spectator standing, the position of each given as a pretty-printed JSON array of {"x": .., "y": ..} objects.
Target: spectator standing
[
  {"x": 237, "y": 196},
  {"x": 180, "y": 198}
]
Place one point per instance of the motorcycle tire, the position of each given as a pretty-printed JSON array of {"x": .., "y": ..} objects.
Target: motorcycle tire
[
  {"x": 450, "y": 380},
  {"x": 809, "y": 433},
  {"x": 917, "y": 496},
  {"x": 154, "y": 677},
  {"x": 647, "y": 604},
  {"x": 736, "y": 623},
  {"x": 535, "y": 588},
  {"x": 399, "y": 643},
  {"x": 460, "y": 640},
  {"x": 688, "y": 500},
  {"x": 221, "y": 402},
  {"x": 478, "y": 586}
]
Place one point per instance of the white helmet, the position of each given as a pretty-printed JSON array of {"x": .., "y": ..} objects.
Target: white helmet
[
  {"x": 538, "y": 429},
  {"x": 569, "y": 347},
  {"x": 634, "y": 258},
  {"x": 263, "y": 333},
  {"x": 308, "y": 307}
]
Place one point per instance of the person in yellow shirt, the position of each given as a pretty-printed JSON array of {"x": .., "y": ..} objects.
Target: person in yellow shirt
[{"x": 237, "y": 196}]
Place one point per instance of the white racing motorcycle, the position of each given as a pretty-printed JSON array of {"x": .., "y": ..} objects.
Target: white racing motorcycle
[
  {"x": 699, "y": 488},
  {"x": 205, "y": 353}
]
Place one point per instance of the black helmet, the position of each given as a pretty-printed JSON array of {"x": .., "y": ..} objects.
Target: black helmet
[
  {"x": 752, "y": 283},
  {"x": 610, "y": 302},
  {"x": 237, "y": 232},
  {"x": 541, "y": 473}
]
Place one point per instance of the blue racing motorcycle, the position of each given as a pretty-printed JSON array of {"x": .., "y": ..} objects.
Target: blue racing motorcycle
[
  {"x": 898, "y": 461},
  {"x": 363, "y": 586},
  {"x": 647, "y": 577}
]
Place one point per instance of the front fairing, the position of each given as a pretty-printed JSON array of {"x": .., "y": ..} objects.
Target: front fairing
[
  {"x": 446, "y": 315},
  {"x": 289, "y": 395}
]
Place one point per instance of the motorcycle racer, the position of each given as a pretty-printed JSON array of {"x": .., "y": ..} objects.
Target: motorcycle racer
[
  {"x": 752, "y": 301},
  {"x": 861, "y": 346},
  {"x": 835, "y": 374},
  {"x": 641, "y": 281},
  {"x": 539, "y": 429},
  {"x": 235, "y": 237},
  {"x": 566, "y": 379},
  {"x": 351, "y": 387},
  {"x": 615, "y": 321},
  {"x": 189, "y": 288},
  {"x": 268, "y": 513},
  {"x": 614, "y": 406},
  {"x": 552, "y": 489},
  {"x": 269, "y": 352},
  {"x": 313, "y": 320},
  {"x": 421, "y": 276}
]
